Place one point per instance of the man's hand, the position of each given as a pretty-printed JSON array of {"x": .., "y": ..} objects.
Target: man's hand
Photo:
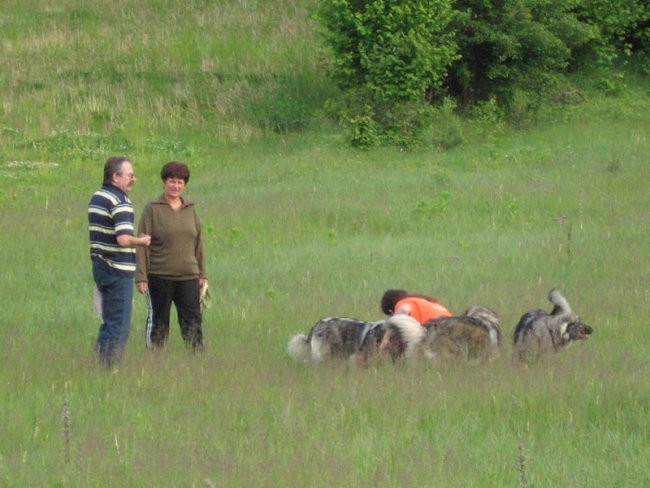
[{"x": 126, "y": 240}]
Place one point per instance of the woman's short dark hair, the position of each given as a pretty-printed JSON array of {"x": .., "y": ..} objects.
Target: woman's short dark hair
[
  {"x": 175, "y": 169},
  {"x": 113, "y": 166},
  {"x": 390, "y": 299}
]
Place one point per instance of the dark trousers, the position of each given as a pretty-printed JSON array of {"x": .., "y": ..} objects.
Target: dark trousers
[
  {"x": 185, "y": 296},
  {"x": 116, "y": 289}
]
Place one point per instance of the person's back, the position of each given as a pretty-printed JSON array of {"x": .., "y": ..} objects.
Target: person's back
[{"x": 421, "y": 309}]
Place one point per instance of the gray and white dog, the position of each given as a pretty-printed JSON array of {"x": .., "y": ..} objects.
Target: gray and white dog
[
  {"x": 336, "y": 338},
  {"x": 539, "y": 332},
  {"x": 476, "y": 334}
]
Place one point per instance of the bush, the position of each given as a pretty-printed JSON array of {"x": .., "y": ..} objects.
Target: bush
[
  {"x": 394, "y": 59},
  {"x": 624, "y": 24},
  {"x": 512, "y": 47},
  {"x": 387, "y": 57}
]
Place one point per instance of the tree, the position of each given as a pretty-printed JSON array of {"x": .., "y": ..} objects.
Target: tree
[
  {"x": 389, "y": 57},
  {"x": 624, "y": 24},
  {"x": 513, "y": 46}
]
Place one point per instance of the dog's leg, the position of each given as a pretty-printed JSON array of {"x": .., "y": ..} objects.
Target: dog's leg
[{"x": 385, "y": 341}]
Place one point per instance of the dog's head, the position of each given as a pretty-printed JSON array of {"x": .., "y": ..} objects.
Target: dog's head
[
  {"x": 574, "y": 329},
  {"x": 577, "y": 330}
]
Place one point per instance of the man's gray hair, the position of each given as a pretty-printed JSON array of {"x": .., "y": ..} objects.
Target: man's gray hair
[{"x": 113, "y": 166}]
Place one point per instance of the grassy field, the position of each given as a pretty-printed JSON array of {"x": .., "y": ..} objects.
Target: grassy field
[{"x": 299, "y": 227}]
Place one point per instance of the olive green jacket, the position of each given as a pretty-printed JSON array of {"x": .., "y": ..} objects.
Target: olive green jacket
[{"x": 176, "y": 250}]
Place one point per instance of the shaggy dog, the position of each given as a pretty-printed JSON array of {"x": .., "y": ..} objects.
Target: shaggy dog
[
  {"x": 337, "y": 338},
  {"x": 539, "y": 332},
  {"x": 476, "y": 334}
]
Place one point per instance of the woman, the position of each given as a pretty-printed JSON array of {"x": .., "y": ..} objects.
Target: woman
[
  {"x": 172, "y": 269},
  {"x": 422, "y": 308}
]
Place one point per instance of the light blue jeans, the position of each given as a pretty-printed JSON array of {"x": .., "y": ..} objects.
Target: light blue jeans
[{"x": 116, "y": 289}]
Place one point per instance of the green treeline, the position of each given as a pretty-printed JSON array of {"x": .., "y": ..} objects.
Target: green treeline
[{"x": 394, "y": 61}]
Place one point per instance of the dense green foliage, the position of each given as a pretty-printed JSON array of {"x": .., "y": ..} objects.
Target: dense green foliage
[
  {"x": 514, "y": 54},
  {"x": 385, "y": 57},
  {"x": 513, "y": 47},
  {"x": 624, "y": 24}
]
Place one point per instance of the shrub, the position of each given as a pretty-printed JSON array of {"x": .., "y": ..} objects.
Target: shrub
[
  {"x": 387, "y": 57},
  {"x": 510, "y": 46},
  {"x": 624, "y": 24}
]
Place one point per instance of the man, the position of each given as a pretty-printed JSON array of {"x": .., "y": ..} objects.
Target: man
[{"x": 112, "y": 251}]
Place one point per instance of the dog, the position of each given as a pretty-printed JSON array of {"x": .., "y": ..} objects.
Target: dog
[
  {"x": 476, "y": 334},
  {"x": 402, "y": 337},
  {"x": 539, "y": 332},
  {"x": 337, "y": 338}
]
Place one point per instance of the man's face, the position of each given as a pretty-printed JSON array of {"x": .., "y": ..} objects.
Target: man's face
[{"x": 125, "y": 179}]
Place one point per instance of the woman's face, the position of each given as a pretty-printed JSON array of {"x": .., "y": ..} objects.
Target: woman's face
[{"x": 174, "y": 188}]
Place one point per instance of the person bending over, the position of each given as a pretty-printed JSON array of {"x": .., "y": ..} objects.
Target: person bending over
[{"x": 421, "y": 307}]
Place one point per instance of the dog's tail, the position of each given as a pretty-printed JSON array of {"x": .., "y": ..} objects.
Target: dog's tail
[
  {"x": 490, "y": 320},
  {"x": 561, "y": 305},
  {"x": 299, "y": 348},
  {"x": 407, "y": 331}
]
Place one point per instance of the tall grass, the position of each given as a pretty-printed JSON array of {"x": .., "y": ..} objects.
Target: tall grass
[
  {"x": 299, "y": 227},
  {"x": 159, "y": 67}
]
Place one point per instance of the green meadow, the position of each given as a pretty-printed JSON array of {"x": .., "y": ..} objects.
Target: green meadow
[{"x": 299, "y": 226}]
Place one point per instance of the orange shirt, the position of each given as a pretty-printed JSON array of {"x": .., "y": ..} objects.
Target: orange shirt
[{"x": 420, "y": 309}]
